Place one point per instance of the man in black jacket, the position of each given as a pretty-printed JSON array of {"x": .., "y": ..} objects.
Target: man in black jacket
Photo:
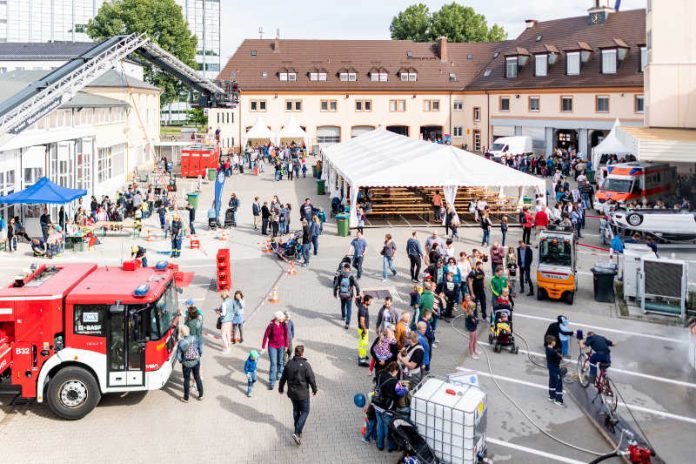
[
  {"x": 299, "y": 376},
  {"x": 265, "y": 217},
  {"x": 524, "y": 261}
]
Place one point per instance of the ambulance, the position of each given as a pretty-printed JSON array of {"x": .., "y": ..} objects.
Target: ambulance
[{"x": 634, "y": 181}]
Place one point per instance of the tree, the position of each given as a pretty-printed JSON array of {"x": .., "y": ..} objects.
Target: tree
[
  {"x": 411, "y": 24},
  {"x": 197, "y": 117},
  {"x": 162, "y": 21},
  {"x": 456, "y": 22}
]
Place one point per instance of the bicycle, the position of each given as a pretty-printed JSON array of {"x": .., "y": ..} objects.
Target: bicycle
[{"x": 602, "y": 383}]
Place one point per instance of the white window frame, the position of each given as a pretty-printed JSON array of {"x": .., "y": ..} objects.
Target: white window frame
[
  {"x": 574, "y": 59},
  {"x": 500, "y": 104},
  {"x": 397, "y": 106},
  {"x": 643, "y": 58},
  {"x": 476, "y": 113},
  {"x": 317, "y": 76},
  {"x": 458, "y": 105},
  {"x": 378, "y": 76},
  {"x": 457, "y": 131},
  {"x": 602, "y": 98},
  {"x": 567, "y": 97},
  {"x": 508, "y": 61},
  {"x": 541, "y": 65},
  {"x": 538, "y": 101},
  {"x": 635, "y": 103},
  {"x": 610, "y": 60}
]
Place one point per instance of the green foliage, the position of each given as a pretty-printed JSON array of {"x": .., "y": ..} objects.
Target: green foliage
[
  {"x": 162, "y": 21},
  {"x": 411, "y": 24},
  {"x": 456, "y": 22},
  {"x": 197, "y": 117}
]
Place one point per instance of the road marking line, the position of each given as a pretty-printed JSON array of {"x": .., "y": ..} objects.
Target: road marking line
[
  {"x": 606, "y": 329},
  {"x": 667, "y": 415},
  {"x": 555, "y": 457}
]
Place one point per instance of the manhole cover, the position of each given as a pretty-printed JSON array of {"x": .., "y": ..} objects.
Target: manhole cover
[{"x": 378, "y": 293}]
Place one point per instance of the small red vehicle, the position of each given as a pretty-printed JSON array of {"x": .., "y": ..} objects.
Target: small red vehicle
[{"x": 72, "y": 332}]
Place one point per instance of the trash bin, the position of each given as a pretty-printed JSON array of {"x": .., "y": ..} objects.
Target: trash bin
[
  {"x": 603, "y": 277},
  {"x": 527, "y": 200},
  {"x": 342, "y": 224},
  {"x": 590, "y": 176},
  {"x": 193, "y": 199},
  {"x": 321, "y": 183},
  {"x": 314, "y": 171},
  {"x": 212, "y": 173}
]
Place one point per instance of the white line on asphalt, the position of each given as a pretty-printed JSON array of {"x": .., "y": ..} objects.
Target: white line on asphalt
[
  {"x": 667, "y": 415},
  {"x": 607, "y": 329},
  {"x": 554, "y": 457}
]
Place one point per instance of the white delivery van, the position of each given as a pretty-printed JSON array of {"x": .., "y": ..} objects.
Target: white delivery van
[{"x": 517, "y": 145}]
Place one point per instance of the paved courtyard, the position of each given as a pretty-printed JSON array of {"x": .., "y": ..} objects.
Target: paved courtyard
[{"x": 649, "y": 365}]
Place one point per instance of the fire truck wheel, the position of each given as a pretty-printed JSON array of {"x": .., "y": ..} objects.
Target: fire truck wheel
[{"x": 72, "y": 393}]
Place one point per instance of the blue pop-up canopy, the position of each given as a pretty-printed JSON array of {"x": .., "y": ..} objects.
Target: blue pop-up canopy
[{"x": 43, "y": 192}]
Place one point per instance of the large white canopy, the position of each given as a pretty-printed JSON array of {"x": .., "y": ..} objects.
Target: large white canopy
[
  {"x": 384, "y": 159},
  {"x": 611, "y": 144},
  {"x": 293, "y": 132},
  {"x": 259, "y": 131}
]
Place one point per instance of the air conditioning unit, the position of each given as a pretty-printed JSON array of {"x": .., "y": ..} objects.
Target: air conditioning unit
[{"x": 663, "y": 286}]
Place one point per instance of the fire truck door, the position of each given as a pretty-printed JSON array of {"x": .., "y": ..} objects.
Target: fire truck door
[
  {"x": 137, "y": 327},
  {"x": 126, "y": 356}
]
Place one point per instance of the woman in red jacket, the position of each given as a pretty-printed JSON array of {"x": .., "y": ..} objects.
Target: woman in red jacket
[{"x": 277, "y": 339}]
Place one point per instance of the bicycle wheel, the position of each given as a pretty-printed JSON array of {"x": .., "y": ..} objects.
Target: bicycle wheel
[
  {"x": 583, "y": 370},
  {"x": 608, "y": 396}
]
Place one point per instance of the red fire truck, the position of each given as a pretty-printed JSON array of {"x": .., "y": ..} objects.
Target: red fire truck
[{"x": 72, "y": 332}]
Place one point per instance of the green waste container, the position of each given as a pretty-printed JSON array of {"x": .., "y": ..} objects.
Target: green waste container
[
  {"x": 342, "y": 224},
  {"x": 314, "y": 171},
  {"x": 193, "y": 199},
  {"x": 527, "y": 200},
  {"x": 590, "y": 176},
  {"x": 212, "y": 173},
  {"x": 321, "y": 184}
]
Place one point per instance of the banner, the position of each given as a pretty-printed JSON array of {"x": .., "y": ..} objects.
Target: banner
[{"x": 219, "y": 185}]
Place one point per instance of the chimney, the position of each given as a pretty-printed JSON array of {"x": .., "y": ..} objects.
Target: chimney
[
  {"x": 530, "y": 23},
  {"x": 276, "y": 42},
  {"x": 444, "y": 56}
]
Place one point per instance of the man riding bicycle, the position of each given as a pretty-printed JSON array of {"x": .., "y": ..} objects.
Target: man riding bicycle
[{"x": 601, "y": 353}]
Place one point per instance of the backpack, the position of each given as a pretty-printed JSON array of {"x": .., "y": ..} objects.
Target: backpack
[
  {"x": 191, "y": 354},
  {"x": 344, "y": 287}
]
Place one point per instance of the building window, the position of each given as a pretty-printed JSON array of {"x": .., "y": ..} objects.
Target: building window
[
  {"x": 511, "y": 67},
  {"x": 477, "y": 114},
  {"x": 643, "y": 58},
  {"x": 408, "y": 76},
  {"x": 573, "y": 63},
  {"x": 363, "y": 105},
  {"x": 458, "y": 105},
  {"x": 609, "y": 61},
  {"x": 602, "y": 104},
  {"x": 317, "y": 76},
  {"x": 288, "y": 76},
  {"x": 534, "y": 104},
  {"x": 379, "y": 76},
  {"x": 397, "y": 106},
  {"x": 541, "y": 65},
  {"x": 504, "y": 104},
  {"x": 430, "y": 106},
  {"x": 640, "y": 104},
  {"x": 457, "y": 131},
  {"x": 329, "y": 105},
  {"x": 348, "y": 76},
  {"x": 566, "y": 104},
  {"x": 293, "y": 105},
  {"x": 257, "y": 105},
  {"x": 477, "y": 140}
]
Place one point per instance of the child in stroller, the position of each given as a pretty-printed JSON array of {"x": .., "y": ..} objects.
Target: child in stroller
[
  {"x": 501, "y": 331},
  {"x": 290, "y": 249},
  {"x": 414, "y": 446}
]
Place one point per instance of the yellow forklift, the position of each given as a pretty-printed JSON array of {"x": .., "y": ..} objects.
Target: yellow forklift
[{"x": 556, "y": 271}]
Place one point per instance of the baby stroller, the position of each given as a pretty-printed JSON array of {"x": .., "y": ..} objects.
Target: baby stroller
[
  {"x": 212, "y": 220},
  {"x": 413, "y": 445},
  {"x": 230, "y": 220},
  {"x": 289, "y": 250},
  {"x": 501, "y": 332}
]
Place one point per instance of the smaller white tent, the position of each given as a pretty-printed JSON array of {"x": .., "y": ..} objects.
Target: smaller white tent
[
  {"x": 611, "y": 144},
  {"x": 259, "y": 132},
  {"x": 292, "y": 132},
  {"x": 384, "y": 159}
]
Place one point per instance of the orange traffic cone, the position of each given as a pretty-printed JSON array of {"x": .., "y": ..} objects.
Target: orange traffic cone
[
  {"x": 292, "y": 271},
  {"x": 256, "y": 170},
  {"x": 274, "y": 296},
  {"x": 195, "y": 243}
]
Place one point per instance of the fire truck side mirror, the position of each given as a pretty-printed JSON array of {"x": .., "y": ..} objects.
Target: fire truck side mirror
[{"x": 117, "y": 307}]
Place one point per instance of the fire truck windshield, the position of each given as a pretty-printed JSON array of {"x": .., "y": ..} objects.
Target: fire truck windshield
[
  {"x": 163, "y": 312},
  {"x": 617, "y": 185}
]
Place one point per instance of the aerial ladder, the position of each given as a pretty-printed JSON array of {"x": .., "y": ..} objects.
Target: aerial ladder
[{"x": 39, "y": 98}]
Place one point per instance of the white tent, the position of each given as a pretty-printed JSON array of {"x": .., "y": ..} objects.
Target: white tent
[
  {"x": 383, "y": 159},
  {"x": 259, "y": 132},
  {"x": 611, "y": 144},
  {"x": 292, "y": 132}
]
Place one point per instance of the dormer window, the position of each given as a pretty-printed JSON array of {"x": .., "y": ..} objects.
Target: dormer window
[
  {"x": 511, "y": 67},
  {"x": 541, "y": 65},
  {"x": 610, "y": 60},
  {"x": 643, "y": 58},
  {"x": 408, "y": 76},
  {"x": 379, "y": 75},
  {"x": 317, "y": 76},
  {"x": 287, "y": 75},
  {"x": 573, "y": 63},
  {"x": 348, "y": 75}
]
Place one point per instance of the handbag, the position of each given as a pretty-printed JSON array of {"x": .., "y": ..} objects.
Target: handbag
[{"x": 218, "y": 324}]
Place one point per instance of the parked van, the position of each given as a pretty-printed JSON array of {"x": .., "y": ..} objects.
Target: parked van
[
  {"x": 517, "y": 145},
  {"x": 634, "y": 181}
]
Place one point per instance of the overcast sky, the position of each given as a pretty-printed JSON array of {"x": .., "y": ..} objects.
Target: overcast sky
[{"x": 370, "y": 19}]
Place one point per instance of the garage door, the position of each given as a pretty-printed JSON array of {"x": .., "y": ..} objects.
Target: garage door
[
  {"x": 328, "y": 134},
  {"x": 503, "y": 131},
  {"x": 360, "y": 130},
  {"x": 538, "y": 135}
]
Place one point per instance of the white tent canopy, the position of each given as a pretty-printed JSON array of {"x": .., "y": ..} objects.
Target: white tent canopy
[
  {"x": 611, "y": 144},
  {"x": 293, "y": 132},
  {"x": 259, "y": 131},
  {"x": 384, "y": 159}
]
